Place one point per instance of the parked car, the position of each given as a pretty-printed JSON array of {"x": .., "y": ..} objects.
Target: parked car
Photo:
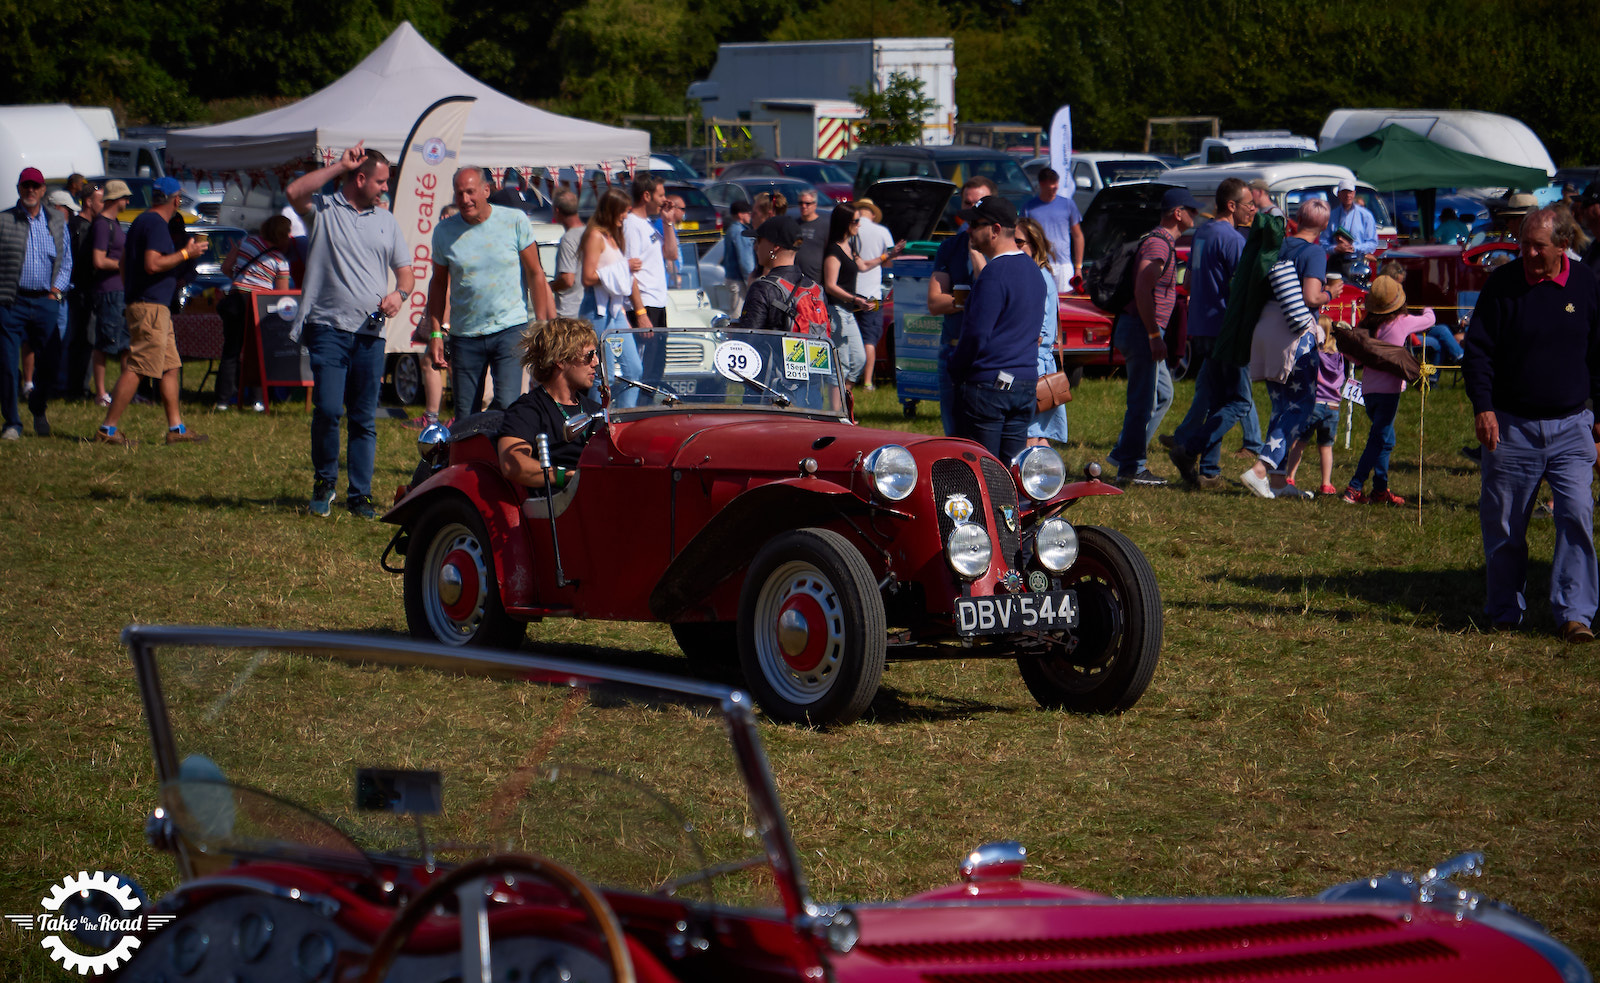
[
  {"x": 741, "y": 505},
  {"x": 824, "y": 175},
  {"x": 675, "y": 170},
  {"x": 745, "y": 189},
  {"x": 196, "y": 326},
  {"x": 1094, "y": 171},
  {"x": 954, "y": 164},
  {"x": 1402, "y": 205},
  {"x": 429, "y": 814},
  {"x": 1288, "y": 184},
  {"x": 701, "y": 221},
  {"x": 1448, "y": 278}
]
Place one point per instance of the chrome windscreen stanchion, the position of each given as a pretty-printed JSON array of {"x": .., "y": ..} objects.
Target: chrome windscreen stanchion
[{"x": 550, "y": 504}]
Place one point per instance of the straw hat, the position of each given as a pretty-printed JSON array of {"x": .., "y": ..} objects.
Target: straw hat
[
  {"x": 1386, "y": 296},
  {"x": 1520, "y": 204},
  {"x": 869, "y": 206}
]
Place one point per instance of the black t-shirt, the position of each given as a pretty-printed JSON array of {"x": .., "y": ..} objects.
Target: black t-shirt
[
  {"x": 535, "y": 412},
  {"x": 813, "y": 237},
  {"x": 847, "y": 271}
]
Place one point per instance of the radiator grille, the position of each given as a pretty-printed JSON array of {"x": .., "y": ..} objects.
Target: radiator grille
[
  {"x": 950, "y": 477},
  {"x": 1003, "y": 495}
]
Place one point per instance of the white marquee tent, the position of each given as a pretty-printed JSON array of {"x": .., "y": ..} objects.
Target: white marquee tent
[{"x": 380, "y": 99}]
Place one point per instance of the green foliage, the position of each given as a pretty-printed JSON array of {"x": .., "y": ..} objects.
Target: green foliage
[{"x": 896, "y": 112}]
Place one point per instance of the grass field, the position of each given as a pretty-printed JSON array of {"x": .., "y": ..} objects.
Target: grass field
[{"x": 1326, "y": 705}]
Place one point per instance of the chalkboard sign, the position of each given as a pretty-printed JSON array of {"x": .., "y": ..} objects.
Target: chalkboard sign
[{"x": 272, "y": 358}]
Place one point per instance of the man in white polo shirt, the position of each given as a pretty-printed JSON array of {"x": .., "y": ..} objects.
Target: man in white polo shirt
[
  {"x": 344, "y": 305},
  {"x": 642, "y": 246}
]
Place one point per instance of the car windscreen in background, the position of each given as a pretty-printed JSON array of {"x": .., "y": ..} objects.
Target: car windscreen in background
[{"x": 1127, "y": 171}]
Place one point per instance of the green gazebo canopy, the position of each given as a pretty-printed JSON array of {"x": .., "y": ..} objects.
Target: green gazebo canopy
[{"x": 1396, "y": 159}]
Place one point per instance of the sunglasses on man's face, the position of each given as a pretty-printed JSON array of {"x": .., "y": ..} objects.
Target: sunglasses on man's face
[{"x": 589, "y": 357}]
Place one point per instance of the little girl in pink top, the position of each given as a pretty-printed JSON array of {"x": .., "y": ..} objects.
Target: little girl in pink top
[{"x": 1388, "y": 321}]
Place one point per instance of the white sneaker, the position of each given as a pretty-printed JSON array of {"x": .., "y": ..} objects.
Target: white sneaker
[{"x": 1256, "y": 483}]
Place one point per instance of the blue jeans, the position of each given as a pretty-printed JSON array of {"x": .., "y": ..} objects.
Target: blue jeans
[
  {"x": 996, "y": 418},
  {"x": 1222, "y": 398},
  {"x": 1439, "y": 339},
  {"x": 1560, "y": 452},
  {"x": 1381, "y": 410},
  {"x": 497, "y": 352},
  {"x": 1292, "y": 402},
  {"x": 346, "y": 372},
  {"x": 620, "y": 353},
  {"x": 34, "y": 320},
  {"x": 1149, "y": 396},
  {"x": 1323, "y": 424}
]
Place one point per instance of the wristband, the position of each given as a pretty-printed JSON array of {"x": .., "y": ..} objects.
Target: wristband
[
  {"x": 560, "y": 479},
  {"x": 640, "y": 310},
  {"x": 437, "y": 334}
]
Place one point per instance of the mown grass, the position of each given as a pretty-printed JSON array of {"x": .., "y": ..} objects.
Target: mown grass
[{"x": 1326, "y": 706}]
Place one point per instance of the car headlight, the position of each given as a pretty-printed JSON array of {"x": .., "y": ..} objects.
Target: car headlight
[
  {"x": 1056, "y": 545},
  {"x": 1042, "y": 471},
  {"x": 893, "y": 471},
  {"x": 969, "y": 550}
]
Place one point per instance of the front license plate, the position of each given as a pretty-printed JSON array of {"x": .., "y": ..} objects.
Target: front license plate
[
  {"x": 690, "y": 226},
  {"x": 1044, "y": 611}
]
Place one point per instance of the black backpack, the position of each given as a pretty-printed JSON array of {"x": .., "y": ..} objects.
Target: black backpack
[{"x": 1110, "y": 281}]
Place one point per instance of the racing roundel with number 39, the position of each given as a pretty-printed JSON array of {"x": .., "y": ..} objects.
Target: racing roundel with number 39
[{"x": 737, "y": 360}]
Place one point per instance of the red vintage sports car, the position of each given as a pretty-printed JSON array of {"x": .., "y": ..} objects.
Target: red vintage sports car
[
  {"x": 555, "y": 821},
  {"x": 740, "y": 504}
]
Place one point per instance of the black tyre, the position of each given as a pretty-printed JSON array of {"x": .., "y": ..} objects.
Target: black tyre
[
  {"x": 709, "y": 645},
  {"x": 405, "y": 380},
  {"x": 812, "y": 634},
  {"x": 909, "y": 408},
  {"x": 451, "y": 592},
  {"x": 1118, "y": 634}
]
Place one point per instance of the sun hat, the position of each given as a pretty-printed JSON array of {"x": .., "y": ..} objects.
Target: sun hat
[
  {"x": 870, "y": 207},
  {"x": 1385, "y": 296}
]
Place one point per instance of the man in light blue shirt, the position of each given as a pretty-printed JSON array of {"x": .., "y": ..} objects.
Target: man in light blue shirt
[
  {"x": 1349, "y": 216},
  {"x": 1062, "y": 225},
  {"x": 484, "y": 259}
]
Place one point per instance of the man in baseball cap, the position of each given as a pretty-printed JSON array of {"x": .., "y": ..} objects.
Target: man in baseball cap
[
  {"x": 35, "y": 271},
  {"x": 1352, "y": 232},
  {"x": 784, "y": 298}
]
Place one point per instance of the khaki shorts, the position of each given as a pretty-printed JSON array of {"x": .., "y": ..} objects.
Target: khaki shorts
[{"x": 153, "y": 352}]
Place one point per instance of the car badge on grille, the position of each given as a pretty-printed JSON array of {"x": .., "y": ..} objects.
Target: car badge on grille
[
  {"x": 1008, "y": 515},
  {"x": 1011, "y": 581},
  {"x": 1038, "y": 582},
  {"x": 958, "y": 507}
]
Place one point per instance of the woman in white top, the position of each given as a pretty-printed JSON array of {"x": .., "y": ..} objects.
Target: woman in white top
[{"x": 611, "y": 291}]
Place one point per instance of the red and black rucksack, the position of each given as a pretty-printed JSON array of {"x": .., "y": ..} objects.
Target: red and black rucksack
[{"x": 802, "y": 304}]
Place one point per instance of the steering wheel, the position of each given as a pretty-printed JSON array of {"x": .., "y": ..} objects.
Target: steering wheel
[{"x": 409, "y": 917}]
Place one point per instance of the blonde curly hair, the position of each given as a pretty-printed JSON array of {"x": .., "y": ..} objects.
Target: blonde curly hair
[{"x": 546, "y": 344}]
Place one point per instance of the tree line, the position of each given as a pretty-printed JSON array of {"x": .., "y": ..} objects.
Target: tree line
[{"x": 1254, "y": 63}]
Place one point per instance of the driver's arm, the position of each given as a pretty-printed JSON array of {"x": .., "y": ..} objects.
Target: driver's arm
[{"x": 521, "y": 466}]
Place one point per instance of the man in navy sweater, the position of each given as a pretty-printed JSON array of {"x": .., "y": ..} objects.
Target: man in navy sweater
[
  {"x": 995, "y": 364},
  {"x": 1532, "y": 359}
]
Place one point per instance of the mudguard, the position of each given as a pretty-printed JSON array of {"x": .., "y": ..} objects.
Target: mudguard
[
  {"x": 730, "y": 541},
  {"x": 1037, "y": 512},
  {"x": 500, "y": 507}
]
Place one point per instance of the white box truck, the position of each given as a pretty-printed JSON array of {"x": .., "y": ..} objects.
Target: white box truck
[
  {"x": 53, "y": 138},
  {"x": 791, "y": 71},
  {"x": 806, "y": 127}
]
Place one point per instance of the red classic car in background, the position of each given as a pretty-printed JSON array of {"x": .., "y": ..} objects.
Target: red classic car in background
[
  {"x": 1448, "y": 278},
  {"x": 743, "y": 507},
  {"x": 426, "y": 814}
]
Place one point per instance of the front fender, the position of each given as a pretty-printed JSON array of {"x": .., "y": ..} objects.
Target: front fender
[
  {"x": 1066, "y": 496},
  {"x": 730, "y": 540},
  {"x": 499, "y": 505}
]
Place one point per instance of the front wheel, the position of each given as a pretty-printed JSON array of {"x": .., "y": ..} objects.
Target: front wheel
[
  {"x": 451, "y": 592},
  {"x": 1118, "y": 635},
  {"x": 812, "y": 633}
]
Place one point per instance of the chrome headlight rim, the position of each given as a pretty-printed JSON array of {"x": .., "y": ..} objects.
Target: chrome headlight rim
[
  {"x": 1041, "y": 472},
  {"x": 1056, "y": 545},
  {"x": 893, "y": 470},
  {"x": 970, "y": 550}
]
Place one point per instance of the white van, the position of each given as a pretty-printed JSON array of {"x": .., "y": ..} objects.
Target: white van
[
  {"x": 1483, "y": 134},
  {"x": 1256, "y": 146},
  {"x": 53, "y": 138},
  {"x": 1288, "y": 183}
]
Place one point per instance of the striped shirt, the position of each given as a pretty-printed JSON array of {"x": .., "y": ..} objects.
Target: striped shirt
[
  {"x": 41, "y": 256},
  {"x": 258, "y": 265}
]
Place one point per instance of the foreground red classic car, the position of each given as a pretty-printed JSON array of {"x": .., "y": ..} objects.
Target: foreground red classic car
[
  {"x": 743, "y": 507},
  {"x": 553, "y": 821}
]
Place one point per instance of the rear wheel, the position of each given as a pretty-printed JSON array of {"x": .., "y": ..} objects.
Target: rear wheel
[
  {"x": 451, "y": 593},
  {"x": 406, "y": 380},
  {"x": 812, "y": 634},
  {"x": 1118, "y": 638}
]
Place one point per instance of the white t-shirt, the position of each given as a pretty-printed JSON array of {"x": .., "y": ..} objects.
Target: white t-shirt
[
  {"x": 874, "y": 240},
  {"x": 643, "y": 242}
]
